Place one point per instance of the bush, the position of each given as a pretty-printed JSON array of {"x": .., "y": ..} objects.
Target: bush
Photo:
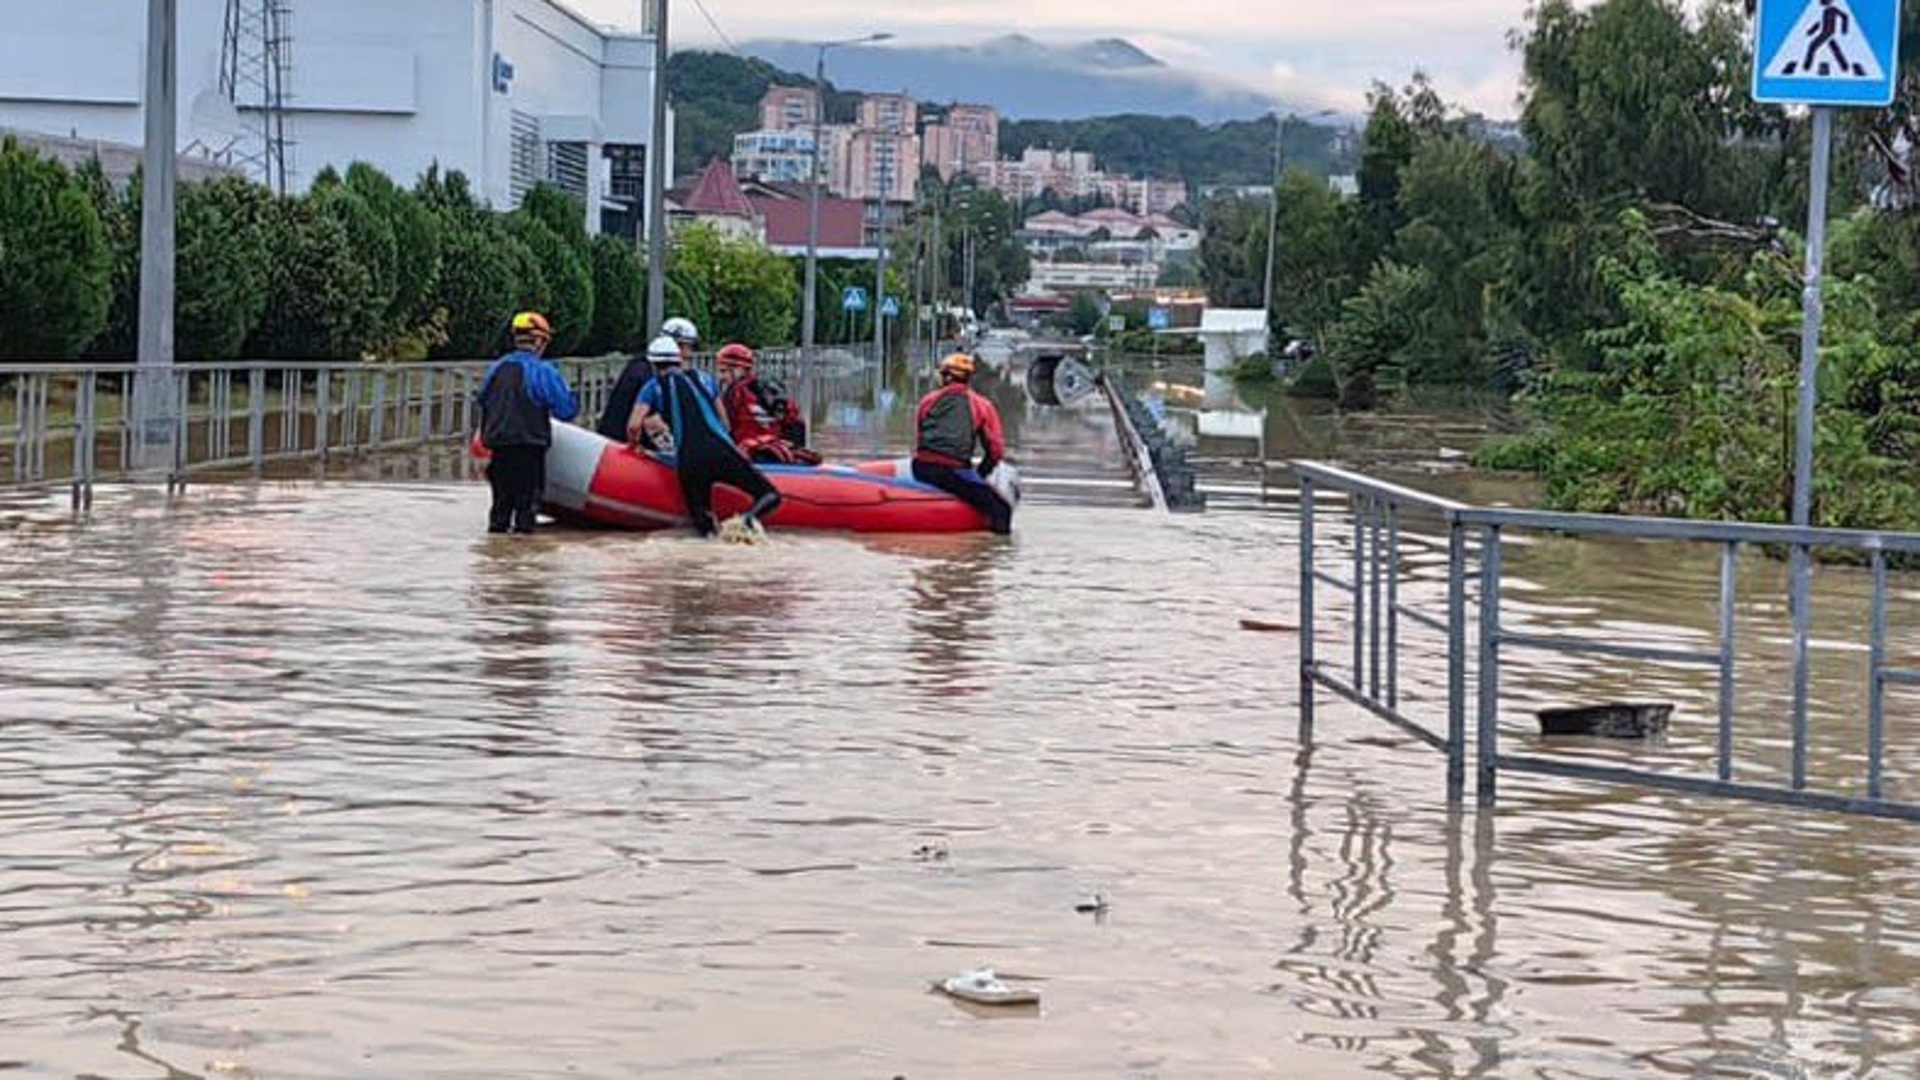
[
  {"x": 374, "y": 247},
  {"x": 485, "y": 276},
  {"x": 223, "y": 267},
  {"x": 417, "y": 247},
  {"x": 750, "y": 292},
  {"x": 56, "y": 281},
  {"x": 568, "y": 297},
  {"x": 321, "y": 302},
  {"x": 619, "y": 298}
]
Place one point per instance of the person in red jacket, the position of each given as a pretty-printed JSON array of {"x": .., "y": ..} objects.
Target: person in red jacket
[
  {"x": 766, "y": 424},
  {"x": 952, "y": 421}
]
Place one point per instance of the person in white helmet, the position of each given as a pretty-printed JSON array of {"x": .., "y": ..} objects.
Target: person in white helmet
[
  {"x": 637, "y": 374},
  {"x": 685, "y": 405}
]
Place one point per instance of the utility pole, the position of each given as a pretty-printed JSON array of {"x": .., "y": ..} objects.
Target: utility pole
[
  {"x": 657, "y": 178},
  {"x": 1273, "y": 228},
  {"x": 880, "y": 279},
  {"x": 153, "y": 390}
]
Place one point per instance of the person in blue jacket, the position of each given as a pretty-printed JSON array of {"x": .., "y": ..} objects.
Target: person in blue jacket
[
  {"x": 519, "y": 398},
  {"x": 685, "y": 406}
]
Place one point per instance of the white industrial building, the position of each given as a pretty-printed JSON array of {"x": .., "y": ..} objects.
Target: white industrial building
[{"x": 509, "y": 92}]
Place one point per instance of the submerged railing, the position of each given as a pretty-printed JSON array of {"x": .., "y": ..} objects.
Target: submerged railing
[
  {"x": 1476, "y": 631},
  {"x": 73, "y": 423}
]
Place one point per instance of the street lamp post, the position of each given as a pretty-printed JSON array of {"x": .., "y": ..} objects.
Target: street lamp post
[
  {"x": 1273, "y": 221},
  {"x": 808, "y": 315}
]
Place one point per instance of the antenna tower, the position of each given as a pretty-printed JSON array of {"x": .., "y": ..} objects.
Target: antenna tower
[{"x": 255, "y": 60}]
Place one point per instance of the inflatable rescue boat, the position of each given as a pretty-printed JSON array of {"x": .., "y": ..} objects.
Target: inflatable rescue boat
[{"x": 591, "y": 478}]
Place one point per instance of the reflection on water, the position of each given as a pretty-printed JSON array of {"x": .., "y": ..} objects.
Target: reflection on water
[{"x": 314, "y": 779}]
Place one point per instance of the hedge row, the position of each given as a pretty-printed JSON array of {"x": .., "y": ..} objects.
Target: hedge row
[{"x": 358, "y": 267}]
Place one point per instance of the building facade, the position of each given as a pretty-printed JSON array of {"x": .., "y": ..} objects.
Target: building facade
[
  {"x": 965, "y": 140},
  {"x": 879, "y": 165},
  {"x": 780, "y": 157},
  {"x": 893, "y": 114},
  {"x": 509, "y": 92},
  {"x": 786, "y": 108}
]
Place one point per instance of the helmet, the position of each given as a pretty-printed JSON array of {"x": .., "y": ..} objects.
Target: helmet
[
  {"x": 681, "y": 330},
  {"x": 735, "y": 355},
  {"x": 532, "y": 322},
  {"x": 958, "y": 364},
  {"x": 662, "y": 350}
]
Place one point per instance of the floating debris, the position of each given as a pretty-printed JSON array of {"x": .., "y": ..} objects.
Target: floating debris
[
  {"x": 1610, "y": 720},
  {"x": 1093, "y": 905},
  {"x": 983, "y": 987}
]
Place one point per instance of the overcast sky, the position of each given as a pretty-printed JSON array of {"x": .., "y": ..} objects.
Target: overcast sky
[{"x": 1313, "y": 53}]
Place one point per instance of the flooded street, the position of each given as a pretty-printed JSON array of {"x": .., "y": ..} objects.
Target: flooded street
[{"x": 312, "y": 779}]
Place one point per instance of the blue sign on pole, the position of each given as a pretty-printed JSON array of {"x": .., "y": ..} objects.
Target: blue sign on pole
[
  {"x": 1157, "y": 318},
  {"x": 1825, "y": 52},
  {"x": 853, "y": 298},
  {"x": 890, "y": 308}
]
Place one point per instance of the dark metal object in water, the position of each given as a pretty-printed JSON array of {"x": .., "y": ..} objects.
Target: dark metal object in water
[
  {"x": 1611, "y": 720},
  {"x": 1054, "y": 379}
]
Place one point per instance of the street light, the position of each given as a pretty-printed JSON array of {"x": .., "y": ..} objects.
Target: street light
[
  {"x": 807, "y": 313},
  {"x": 1273, "y": 216}
]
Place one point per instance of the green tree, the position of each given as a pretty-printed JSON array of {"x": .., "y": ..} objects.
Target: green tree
[
  {"x": 417, "y": 247},
  {"x": 55, "y": 266},
  {"x": 1232, "y": 229},
  {"x": 568, "y": 297},
  {"x": 1084, "y": 316},
  {"x": 619, "y": 297},
  {"x": 1371, "y": 347},
  {"x": 750, "y": 292},
  {"x": 224, "y": 275},
  {"x": 322, "y": 303},
  {"x": 486, "y": 275}
]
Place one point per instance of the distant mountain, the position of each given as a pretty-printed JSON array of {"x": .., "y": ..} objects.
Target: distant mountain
[{"x": 1028, "y": 79}]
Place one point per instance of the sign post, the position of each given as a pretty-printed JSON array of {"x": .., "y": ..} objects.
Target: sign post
[{"x": 1819, "y": 53}]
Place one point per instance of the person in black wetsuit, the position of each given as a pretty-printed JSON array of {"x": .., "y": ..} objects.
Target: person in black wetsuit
[
  {"x": 637, "y": 374},
  {"x": 685, "y": 405}
]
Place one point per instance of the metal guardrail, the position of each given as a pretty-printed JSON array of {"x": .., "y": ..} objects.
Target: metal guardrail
[
  {"x": 72, "y": 423},
  {"x": 1476, "y": 540}
]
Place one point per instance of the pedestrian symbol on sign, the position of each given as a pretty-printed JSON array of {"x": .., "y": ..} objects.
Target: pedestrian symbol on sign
[{"x": 1826, "y": 43}]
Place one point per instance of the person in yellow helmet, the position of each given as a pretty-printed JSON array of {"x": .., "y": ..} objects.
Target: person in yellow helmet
[
  {"x": 519, "y": 398},
  {"x": 952, "y": 421}
]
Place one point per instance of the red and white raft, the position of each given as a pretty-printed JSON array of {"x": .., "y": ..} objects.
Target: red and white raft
[{"x": 593, "y": 479}]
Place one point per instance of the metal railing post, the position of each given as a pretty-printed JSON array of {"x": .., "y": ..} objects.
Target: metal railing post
[
  {"x": 322, "y": 412},
  {"x": 1488, "y": 694},
  {"x": 1306, "y": 611},
  {"x": 377, "y": 412},
  {"x": 1876, "y": 676},
  {"x": 257, "y": 416},
  {"x": 1723, "y": 753},
  {"x": 1456, "y": 660}
]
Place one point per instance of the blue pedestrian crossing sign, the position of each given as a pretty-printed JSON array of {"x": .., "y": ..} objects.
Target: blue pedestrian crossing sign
[
  {"x": 890, "y": 308},
  {"x": 853, "y": 298},
  {"x": 1825, "y": 52},
  {"x": 1157, "y": 318}
]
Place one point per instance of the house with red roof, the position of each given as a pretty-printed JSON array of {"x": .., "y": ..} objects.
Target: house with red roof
[{"x": 716, "y": 199}]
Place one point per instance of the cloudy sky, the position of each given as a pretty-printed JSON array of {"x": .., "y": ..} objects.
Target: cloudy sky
[{"x": 1315, "y": 53}]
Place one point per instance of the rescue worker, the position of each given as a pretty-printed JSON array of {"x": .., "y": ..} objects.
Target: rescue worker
[
  {"x": 951, "y": 421},
  {"x": 765, "y": 423},
  {"x": 685, "y": 405},
  {"x": 519, "y": 398},
  {"x": 637, "y": 373}
]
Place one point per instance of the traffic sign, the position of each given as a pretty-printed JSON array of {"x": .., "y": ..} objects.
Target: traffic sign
[
  {"x": 1116, "y": 323},
  {"x": 890, "y": 308},
  {"x": 1825, "y": 52},
  {"x": 853, "y": 298},
  {"x": 1157, "y": 318}
]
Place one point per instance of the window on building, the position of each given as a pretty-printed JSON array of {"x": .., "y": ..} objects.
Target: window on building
[
  {"x": 525, "y": 165},
  {"x": 567, "y": 168}
]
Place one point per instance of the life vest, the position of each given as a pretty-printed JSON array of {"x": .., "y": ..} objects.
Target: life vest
[
  {"x": 508, "y": 414},
  {"x": 948, "y": 428}
]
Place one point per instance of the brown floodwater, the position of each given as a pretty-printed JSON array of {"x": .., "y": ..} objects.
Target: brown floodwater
[{"x": 306, "y": 777}]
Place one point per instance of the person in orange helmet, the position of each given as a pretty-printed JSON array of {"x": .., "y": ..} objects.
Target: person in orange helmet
[
  {"x": 519, "y": 398},
  {"x": 952, "y": 421},
  {"x": 766, "y": 424}
]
